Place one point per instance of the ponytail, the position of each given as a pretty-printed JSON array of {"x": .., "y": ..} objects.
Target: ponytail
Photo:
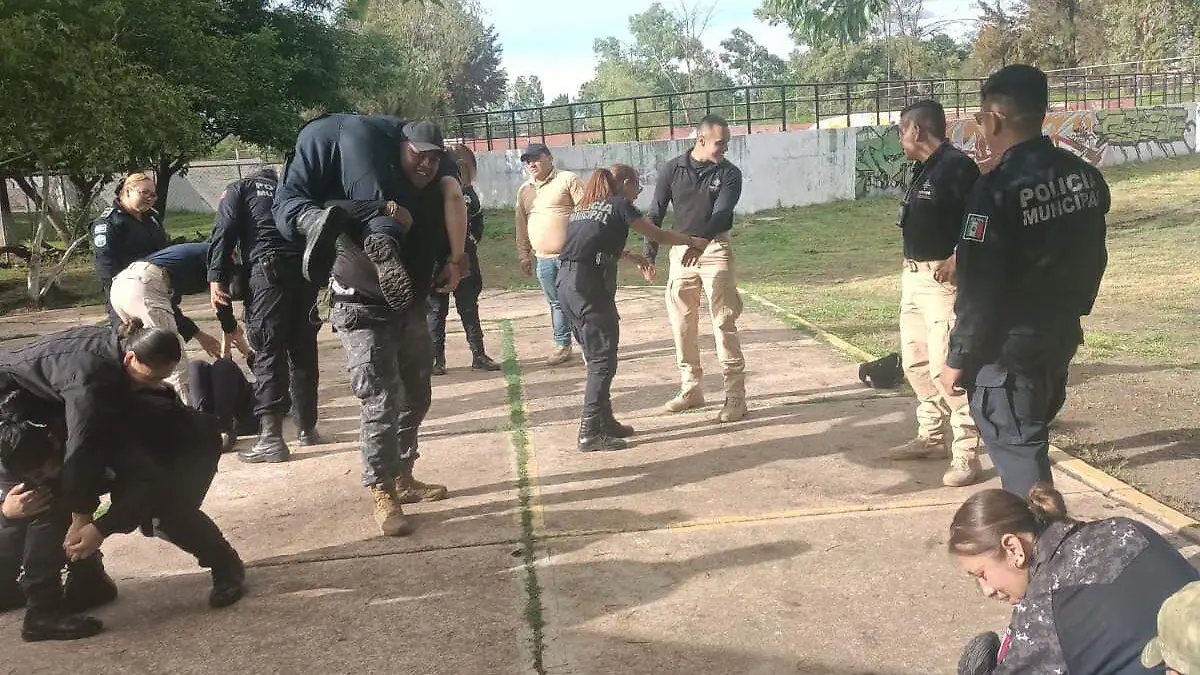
[
  {"x": 983, "y": 520},
  {"x": 600, "y": 186},
  {"x": 154, "y": 347}
]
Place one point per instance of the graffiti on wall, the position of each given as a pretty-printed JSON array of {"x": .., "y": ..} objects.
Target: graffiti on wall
[
  {"x": 1100, "y": 137},
  {"x": 880, "y": 165}
]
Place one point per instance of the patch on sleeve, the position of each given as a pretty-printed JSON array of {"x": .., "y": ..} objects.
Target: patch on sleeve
[
  {"x": 975, "y": 227},
  {"x": 101, "y": 227},
  {"x": 101, "y": 240}
]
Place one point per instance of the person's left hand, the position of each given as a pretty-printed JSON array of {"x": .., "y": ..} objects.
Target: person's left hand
[
  {"x": 649, "y": 271},
  {"x": 209, "y": 344},
  {"x": 84, "y": 542},
  {"x": 449, "y": 278},
  {"x": 950, "y": 381},
  {"x": 235, "y": 340},
  {"x": 946, "y": 272}
]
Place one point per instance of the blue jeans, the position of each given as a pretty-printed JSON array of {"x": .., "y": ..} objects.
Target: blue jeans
[{"x": 547, "y": 274}]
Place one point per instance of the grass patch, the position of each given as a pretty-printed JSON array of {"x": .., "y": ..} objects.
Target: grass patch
[
  {"x": 520, "y": 440},
  {"x": 1108, "y": 458}
]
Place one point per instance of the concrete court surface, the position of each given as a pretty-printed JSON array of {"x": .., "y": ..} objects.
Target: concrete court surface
[{"x": 780, "y": 544}]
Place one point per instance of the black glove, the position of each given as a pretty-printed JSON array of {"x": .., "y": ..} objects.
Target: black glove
[{"x": 979, "y": 656}]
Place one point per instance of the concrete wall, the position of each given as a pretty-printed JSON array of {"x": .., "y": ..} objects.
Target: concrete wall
[{"x": 779, "y": 169}]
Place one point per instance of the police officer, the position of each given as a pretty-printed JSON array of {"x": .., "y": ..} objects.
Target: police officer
[
  {"x": 466, "y": 295},
  {"x": 104, "y": 389},
  {"x": 359, "y": 158},
  {"x": 280, "y": 312},
  {"x": 1030, "y": 259},
  {"x": 931, "y": 220},
  {"x": 129, "y": 230},
  {"x": 151, "y": 290},
  {"x": 587, "y": 284},
  {"x": 388, "y": 350}
]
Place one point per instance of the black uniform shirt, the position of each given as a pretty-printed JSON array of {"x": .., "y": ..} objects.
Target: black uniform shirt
[
  {"x": 244, "y": 225},
  {"x": 1030, "y": 258},
  {"x": 932, "y": 214},
  {"x": 704, "y": 195},
  {"x": 119, "y": 238},
  {"x": 81, "y": 370},
  {"x": 187, "y": 266},
  {"x": 601, "y": 228},
  {"x": 1094, "y": 594}
]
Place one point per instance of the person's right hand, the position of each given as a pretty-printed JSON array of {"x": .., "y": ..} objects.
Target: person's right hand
[
  {"x": 24, "y": 502},
  {"x": 217, "y": 295},
  {"x": 527, "y": 267},
  {"x": 235, "y": 340}
]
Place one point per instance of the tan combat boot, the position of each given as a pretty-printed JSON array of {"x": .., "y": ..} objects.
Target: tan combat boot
[
  {"x": 686, "y": 400},
  {"x": 388, "y": 513},
  {"x": 964, "y": 470},
  {"x": 919, "y": 448},
  {"x": 409, "y": 490},
  {"x": 559, "y": 356},
  {"x": 733, "y": 410}
]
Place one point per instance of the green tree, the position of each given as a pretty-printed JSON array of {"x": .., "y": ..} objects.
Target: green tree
[
  {"x": 821, "y": 22},
  {"x": 751, "y": 63},
  {"x": 481, "y": 82}
]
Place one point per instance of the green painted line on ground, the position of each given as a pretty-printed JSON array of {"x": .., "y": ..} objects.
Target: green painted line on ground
[{"x": 520, "y": 441}]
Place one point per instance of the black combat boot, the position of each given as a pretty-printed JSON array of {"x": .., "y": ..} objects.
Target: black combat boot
[
  {"x": 11, "y": 595},
  {"x": 614, "y": 428},
  {"x": 55, "y": 624},
  {"x": 594, "y": 437},
  {"x": 88, "y": 586},
  {"x": 270, "y": 446},
  {"x": 384, "y": 251},
  {"x": 479, "y": 358},
  {"x": 308, "y": 437},
  {"x": 439, "y": 359},
  {"x": 321, "y": 229},
  {"x": 229, "y": 582}
]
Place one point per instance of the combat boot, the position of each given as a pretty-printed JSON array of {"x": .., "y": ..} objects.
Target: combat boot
[
  {"x": 55, "y": 624},
  {"x": 686, "y": 400},
  {"x": 307, "y": 437},
  {"x": 614, "y": 428},
  {"x": 87, "y": 586},
  {"x": 593, "y": 437},
  {"x": 733, "y": 410},
  {"x": 439, "y": 360},
  {"x": 321, "y": 229},
  {"x": 270, "y": 447},
  {"x": 919, "y": 448},
  {"x": 964, "y": 470},
  {"x": 479, "y": 358},
  {"x": 388, "y": 513},
  {"x": 384, "y": 251},
  {"x": 409, "y": 490},
  {"x": 228, "y": 581}
]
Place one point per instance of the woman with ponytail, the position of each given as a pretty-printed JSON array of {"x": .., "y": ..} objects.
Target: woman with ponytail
[
  {"x": 587, "y": 285},
  {"x": 1085, "y": 595},
  {"x": 108, "y": 424}
]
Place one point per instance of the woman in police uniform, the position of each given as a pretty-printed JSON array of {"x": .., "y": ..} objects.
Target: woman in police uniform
[
  {"x": 129, "y": 230},
  {"x": 587, "y": 286}
]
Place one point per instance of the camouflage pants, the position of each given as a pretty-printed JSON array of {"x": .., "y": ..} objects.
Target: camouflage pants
[{"x": 389, "y": 356}]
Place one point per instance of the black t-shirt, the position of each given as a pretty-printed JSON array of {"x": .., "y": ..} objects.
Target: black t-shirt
[
  {"x": 601, "y": 227},
  {"x": 932, "y": 215}
]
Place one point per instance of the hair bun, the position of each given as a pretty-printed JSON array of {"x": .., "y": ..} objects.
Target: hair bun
[
  {"x": 1046, "y": 503},
  {"x": 130, "y": 328}
]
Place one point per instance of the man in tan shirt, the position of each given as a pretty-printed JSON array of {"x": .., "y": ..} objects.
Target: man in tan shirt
[{"x": 543, "y": 204}]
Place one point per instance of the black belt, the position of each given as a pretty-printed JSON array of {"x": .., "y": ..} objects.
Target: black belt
[{"x": 601, "y": 260}]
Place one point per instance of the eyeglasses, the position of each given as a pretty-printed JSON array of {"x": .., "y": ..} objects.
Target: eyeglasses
[
  {"x": 148, "y": 194},
  {"x": 428, "y": 156}
]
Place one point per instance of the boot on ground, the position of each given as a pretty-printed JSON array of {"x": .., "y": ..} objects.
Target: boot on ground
[
  {"x": 88, "y": 585},
  {"x": 919, "y": 448},
  {"x": 439, "y": 361},
  {"x": 594, "y": 437},
  {"x": 54, "y": 624},
  {"x": 228, "y": 582},
  {"x": 963, "y": 471},
  {"x": 733, "y": 410},
  {"x": 614, "y": 427},
  {"x": 485, "y": 363},
  {"x": 308, "y": 437},
  {"x": 559, "y": 356},
  {"x": 686, "y": 400},
  {"x": 389, "y": 515},
  {"x": 409, "y": 490},
  {"x": 270, "y": 447}
]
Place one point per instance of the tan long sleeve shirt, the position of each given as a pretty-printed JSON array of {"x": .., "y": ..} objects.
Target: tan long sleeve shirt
[{"x": 542, "y": 211}]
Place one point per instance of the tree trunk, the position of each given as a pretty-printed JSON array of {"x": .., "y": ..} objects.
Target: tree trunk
[
  {"x": 162, "y": 185},
  {"x": 6, "y": 217},
  {"x": 42, "y": 203}
]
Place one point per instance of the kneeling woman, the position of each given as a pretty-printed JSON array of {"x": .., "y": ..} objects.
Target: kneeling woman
[
  {"x": 587, "y": 287},
  {"x": 1086, "y": 595},
  {"x": 104, "y": 390}
]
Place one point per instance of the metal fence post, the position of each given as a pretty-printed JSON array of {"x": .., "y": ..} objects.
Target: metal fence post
[
  {"x": 542, "y": 123},
  {"x": 571, "y": 118},
  {"x": 783, "y": 107},
  {"x": 671, "y": 115},
  {"x": 513, "y": 115},
  {"x": 603, "y": 126},
  {"x": 749, "y": 113},
  {"x": 849, "y": 122},
  {"x": 487, "y": 129},
  {"x": 817, "y": 104},
  {"x": 637, "y": 129}
]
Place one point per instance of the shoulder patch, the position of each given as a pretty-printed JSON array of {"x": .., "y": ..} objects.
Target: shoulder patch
[
  {"x": 100, "y": 240},
  {"x": 975, "y": 227},
  {"x": 107, "y": 212},
  {"x": 101, "y": 227}
]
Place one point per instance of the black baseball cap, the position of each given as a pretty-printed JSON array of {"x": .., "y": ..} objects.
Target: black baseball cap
[
  {"x": 534, "y": 150},
  {"x": 424, "y": 136}
]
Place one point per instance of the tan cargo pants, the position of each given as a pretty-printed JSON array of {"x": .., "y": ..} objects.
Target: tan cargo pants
[
  {"x": 143, "y": 291},
  {"x": 926, "y": 319},
  {"x": 713, "y": 276}
]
